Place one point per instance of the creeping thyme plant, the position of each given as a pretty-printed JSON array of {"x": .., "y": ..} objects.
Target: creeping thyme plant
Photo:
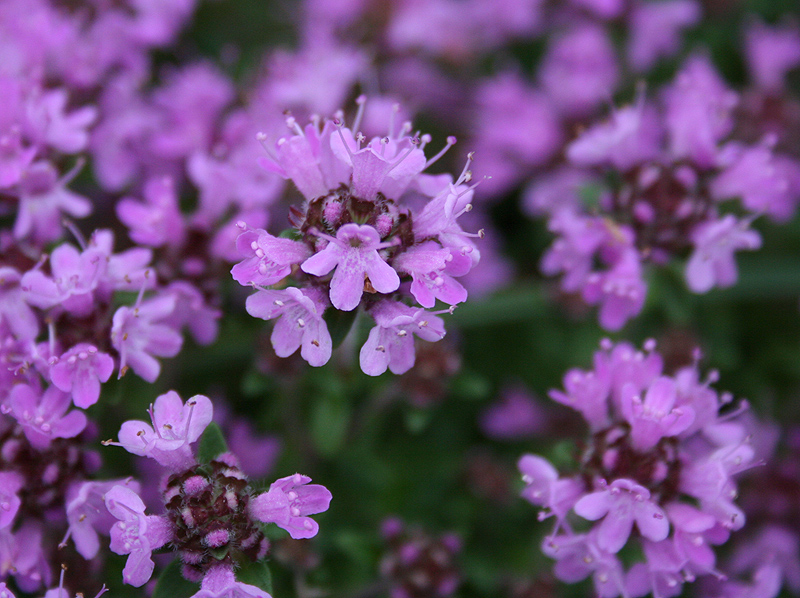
[{"x": 313, "y": 299}]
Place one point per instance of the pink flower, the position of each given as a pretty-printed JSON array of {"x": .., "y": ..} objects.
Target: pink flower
[
  {"x": 300, "y": 323},
  {"x": 354, "y": 254},
  {"x": 391, "y": 343},
  {"x": 80, "y": 371},
  {"x": 619, "y": 505},
  {"x": 288, "y": 503},
  {"x": 135, "y": 534},
  {"x": 175, "y": 427}
]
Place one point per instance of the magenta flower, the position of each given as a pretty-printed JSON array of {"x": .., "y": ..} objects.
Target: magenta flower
[
  {"x": 158, "y": 221},
  {"x": 175, "y": 427},
  {"x": 771, "y": 52},
  {"x": 655, "y": 30},
  {"x": 620, "y": 504},
  {"x": 428, "y": 265},
  {"x": 43, "y": 416},
  {"x": 712, "y": 262},
  {"x": 10, "y": 485},
  {"x": 620, "y": 291},
  {"x": 299, "y": 325},
  {"x": 544, "y": 488},
  {"x": 587, "y": 393},
  {"x": 219, "y": 582},
  {"x": 192, "y": 311},
  {"x": 43, "y": 197},
  {"x": 698, "y": 112},
  {"x": 138, "y": 333},
  {"x": 288, "y": 502},
  {"x": 354, "y": 254},
  {"x": 268, "y": 259},
  {"x": 87, "y": 514},
  {"x": 14, "y": 310},
  {"x": 578, "y": 556},
  {"x": 135, "y": 534},
  {"x": 80, "y": 371},
  {"x": 657, "y": 416},
  {"x": 75, "y": 276},
  {"x": 391, "y": 343}
]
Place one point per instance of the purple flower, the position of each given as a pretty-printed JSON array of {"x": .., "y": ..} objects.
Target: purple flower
[
  {"x": 42, "y": 199},
  {"x": 515, "y": 415},
  {"x": 579, "y": 69},
  {"x": 135, "y": 534},
  {"x": 516, "y": 128},
  {"x": 354, "y": 254},
  {"x": 574, "y": 251},
  {"x": 75, "y": 276},
  {"x": 300, "y": 323},
  {"x": 219, "y": 582},
  {"x": 631, "y": 136},
  {"x": 587, "y": 392},
  {"x": 44, "y": 416},
  {"x": 13, "y": 308},
  {"x": 620, "y": 291},
  {"x": 698, "y": 112},
  {"x": 87, "y": 514},
  {"x": 158, "y": 221},
  {"x": 771, "y": 52},
  {"x": 5, "y": 592},
  {"x": 655, "y": 30},
  {"x": 15, "y": 159},
  {"x": 80, "y": 371},
  {"x": 138, "y": 333},
  {"x": 49, "y": 124},
  {"x": 662, "y": 574},
  {"x": 620, "y": 504},
  {"x": 268, "y": 259},
  {"x": 544, "y": 488},
  {"x": 428, "y": 265},
  {"x": 712, "y": 263},
  {"x": 578, "y": 556},
  {"x": 10, "y": 485},
  {"x": 24, "y": 549},
  {"x": 761, "y": 179},
  {"x": 192, "y": 311},
  {"x": 175, "y": 427},
  {"x": 391, "y": 342},
  {"x": 288, "y": 502},
  {"x": 657, "y": 416}
]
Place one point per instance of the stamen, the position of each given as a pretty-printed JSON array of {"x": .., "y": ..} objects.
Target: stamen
[
  {"x": 451, "y": 141},
  {"x": 70, "y": 226},
  {"x": 362, "y": 102},
  {"x": 291, "y": 122},
  {"x": 339, "y": 125},
  {"x": 262, "y": 139},
  {"x": 466, "y": 175}
]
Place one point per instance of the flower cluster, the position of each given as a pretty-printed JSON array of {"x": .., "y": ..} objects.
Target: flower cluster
[
  {"x": 661, "y": 457},
  {"x": 357, "y": 242},
  {"x": 418, "y": 565},
  {"x": 662, "y": 174},
  {"x": 212, "y": 513}
]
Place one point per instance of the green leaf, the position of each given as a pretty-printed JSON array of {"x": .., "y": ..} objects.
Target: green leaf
[
  {"x": 417, "y": 420},
  {"x": 339, "y": 324},
  {"x": 212, "y": 444},
  {"x": 256, "y": 574},
  {"x": 171, "y": 584},
  {"x": 290, "y": 233},
  {"x": 329, "y": 422}
]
